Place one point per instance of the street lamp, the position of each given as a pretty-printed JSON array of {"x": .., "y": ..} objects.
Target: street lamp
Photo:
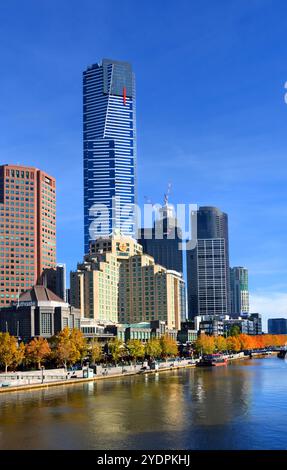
[{"x": 42, "y": 368}]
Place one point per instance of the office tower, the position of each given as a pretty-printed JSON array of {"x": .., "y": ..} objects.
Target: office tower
[
  {"x": 277, "y": 326},
  {"x": 27, "y": 228},
  {"x": 68, "y": 297},
  {"x": 109, "y": 114},
  {"x": 55, "y": 280},
  {"x": 256, "y": 318},
  {"x": 239, "y": 291},
  {"x": 163, "y": 241},
  {"x": 208, "y": 265},
  {"x": 118, "y": 283}
]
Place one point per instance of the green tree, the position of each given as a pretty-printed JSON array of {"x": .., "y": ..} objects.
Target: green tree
[
  {"x": 116, "y": 348},
  {"x": 168, "y": 346},
  {"x": 37, "y": 351},
  {"x": 136, "y": 349},
  {"x": 11, "y": 354},
  {"x": 153, "y": 348},
  {"x": 234, "y": 330}
]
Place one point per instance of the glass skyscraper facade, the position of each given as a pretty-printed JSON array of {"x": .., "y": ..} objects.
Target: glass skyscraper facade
[
  {"x": 163, "y": 241},
  {"x": 239, "y": 290},
  {"x": 208, "y": 265},
  {"x": 109, "y": 121}
]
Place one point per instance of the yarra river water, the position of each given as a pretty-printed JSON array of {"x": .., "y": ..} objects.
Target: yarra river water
[{"x": 241, "y": 406}]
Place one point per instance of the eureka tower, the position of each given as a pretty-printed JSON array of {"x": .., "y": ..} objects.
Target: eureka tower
[{"x": 109, "y": 120}]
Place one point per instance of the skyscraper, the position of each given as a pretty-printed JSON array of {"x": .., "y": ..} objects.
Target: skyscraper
[
  {"x": 109, "y": 115},
  {"x": 55, "y": 280},
  {"x": 162, "y": 242},
  {"x": 27, "y": 228},
  {"x": 239, "y": 290},
  {"x": 208, "y": 265}
]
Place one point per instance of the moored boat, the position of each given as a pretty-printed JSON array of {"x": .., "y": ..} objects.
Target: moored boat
[
  {"x": 282, "y": 353},
  {"x": 212, "y": 360}
]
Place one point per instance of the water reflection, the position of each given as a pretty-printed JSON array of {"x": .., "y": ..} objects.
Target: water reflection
[{"x": 239, "y": 406}]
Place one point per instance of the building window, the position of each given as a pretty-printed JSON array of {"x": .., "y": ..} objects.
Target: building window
[{"x": 46, "y": 323}]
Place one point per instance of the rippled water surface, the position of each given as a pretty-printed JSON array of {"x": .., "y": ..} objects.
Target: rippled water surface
[{"x": 242, "y": 406}]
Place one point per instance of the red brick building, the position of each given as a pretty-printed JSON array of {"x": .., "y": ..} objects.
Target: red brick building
[{"x": 27, "y": 228}]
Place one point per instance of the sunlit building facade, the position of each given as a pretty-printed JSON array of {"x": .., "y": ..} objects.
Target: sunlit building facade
[
  {"x": 109, "y": 134},
  {"x": 27, "y": 229},
  {"x": 118, "y": 283}
]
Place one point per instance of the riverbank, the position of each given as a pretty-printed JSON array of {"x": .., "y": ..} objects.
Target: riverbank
[
  {"x": 109, "y": 375},
  {"x": 105, "y": 374}
]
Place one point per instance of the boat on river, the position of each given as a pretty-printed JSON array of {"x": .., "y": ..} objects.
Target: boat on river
[
  {"x": 212, "y": 360},
  {"x": 282, "y": 353}
]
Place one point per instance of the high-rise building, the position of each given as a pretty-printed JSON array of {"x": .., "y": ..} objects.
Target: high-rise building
[
  {"x": 163, "y": 241},
  {"x": 109, "y": 114},
  {"x": 277, "y": 326},
  {"x": 208, "y": 265},
  {"x": 118, "y": 283},
  {"x": 256, "y": 318},
  {"x": 27, "y": 228},
  {"x": 239, "y": 292},
  {"x": 55, "y": 280}
]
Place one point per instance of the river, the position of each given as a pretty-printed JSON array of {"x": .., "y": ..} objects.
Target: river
[{"x": 241, "y": 406}]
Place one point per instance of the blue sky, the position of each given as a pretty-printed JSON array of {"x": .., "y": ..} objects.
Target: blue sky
[{"x": 211, "y": 114}]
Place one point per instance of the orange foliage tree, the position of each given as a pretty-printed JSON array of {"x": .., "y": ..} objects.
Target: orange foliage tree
[
  {"x": 37, "y": 351},
  {"x": 233, "y": 343}
]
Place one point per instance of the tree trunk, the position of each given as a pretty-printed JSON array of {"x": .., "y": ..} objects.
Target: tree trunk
[{"x": 6, "y": 368}]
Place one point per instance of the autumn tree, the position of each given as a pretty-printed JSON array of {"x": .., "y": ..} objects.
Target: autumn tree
[
  {"x": 79, "y": 342},
  {"x": 37, "y": 351},
  {"x": 233, "y": 344},
  {"x": 220, "y": 343},
  {"x": 68, "y": 346},
  {"x": 95, "y": 352},
  {"x": 168, "y": 346},
  {"x": 245, "y": 342},
  {"x": 116, "y": 348},
  {"x": 205, "y": 344},
  {"x": 153, "y": 348},
  {"x": 136, "y": 349},
  {"x": 11, "y": 354}
]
